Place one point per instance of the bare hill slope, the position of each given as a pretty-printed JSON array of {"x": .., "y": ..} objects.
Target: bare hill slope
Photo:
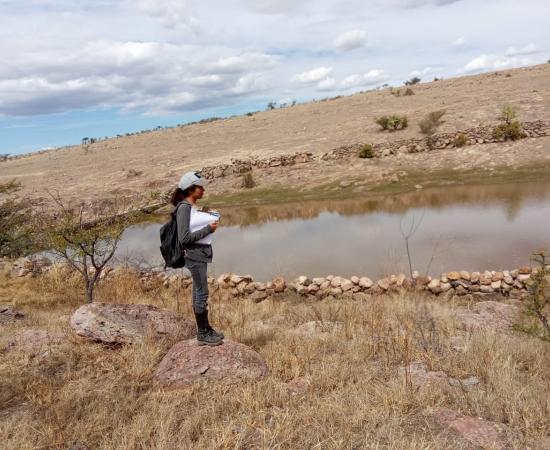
[{"x": 133, "y": 165}]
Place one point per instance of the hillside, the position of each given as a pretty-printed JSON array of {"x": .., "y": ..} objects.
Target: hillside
[{"x": 135, "y": 165}]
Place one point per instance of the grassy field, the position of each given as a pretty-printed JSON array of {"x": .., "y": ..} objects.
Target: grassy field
[{"x": 87, "y": 396}]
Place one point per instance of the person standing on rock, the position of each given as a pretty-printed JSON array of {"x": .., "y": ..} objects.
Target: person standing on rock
[{"x": 197, "y": 255}]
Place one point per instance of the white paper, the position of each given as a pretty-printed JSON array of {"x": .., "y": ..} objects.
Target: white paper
[{"x": 200, "y": 219}]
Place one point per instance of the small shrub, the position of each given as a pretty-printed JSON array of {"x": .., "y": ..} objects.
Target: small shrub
[
  {"x": 366, "y": 151},
  {"x": 408, "y": 92},
  {"x": 248, "y": 180},
  {"x": 393, "y": 122},
  {"x": 509, "y": 129},
  {"x": 460, "y": 140},
  {"x": 4, "y": 157},
  {"x": 271, "y": 106},
  {"x": 413, "y": 81},
  {"x": 395, "y": 92}
]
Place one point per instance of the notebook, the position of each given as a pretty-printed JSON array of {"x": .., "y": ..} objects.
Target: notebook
[{"x": 200, "y": 219}]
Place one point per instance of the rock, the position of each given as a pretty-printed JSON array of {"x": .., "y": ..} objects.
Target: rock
[
  {"x": 258, "y": 296},
  {"x": 453, "y": 276},
  {"x": 445, "y": 287},
  {"x": 123, "y": 324},
  {"x": 475, "y": 430},
  {"x": 485, "y": 280},
  {"x": 465, "y": 275},
  {"x": 354, "y": 279},
  {"x": 422, "y": 280},
  {"x": 496, "y": 285},
  {"x": 523, "y": 277},
  {"x": 524, "y": 270},
  {"x": 336, "y": 291},
  {"x": 279, "y": 284},
  {"x": 312, "y": 288},
  {"x": 400, "y": 279},
  {"x": 34, "y": 341},
  {"x": 301, "y": 290},
  {"x": 347, "y": 285},
  {"x": 435, "y": 286},
  {"x": 419, "y": 374},
  {"x": 474, "y": 277},
  {"x": 486, "y": 289},
  {"x": 497, "y": 276},
  {"x": 365, "y": 282},
  {"x": 303, "y": 280},
  {"x": 223, "y": 280},
  {"x": 336, "y": 282},
  {"x": 187, "y": 362},
  {"x": 318, "y": 281},
  {"x": 9, "y": 314},
  {"x": 384, "y": 284}
]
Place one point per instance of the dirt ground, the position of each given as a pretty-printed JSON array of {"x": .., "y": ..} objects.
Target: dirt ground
[{"x": 137, "y": 165}]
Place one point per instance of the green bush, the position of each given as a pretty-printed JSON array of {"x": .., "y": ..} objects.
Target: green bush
[
  {"x": 366, "y": 151},
  {"x": 393, "y": 122},
  {"x": 460, "y": 140},
  {"x": 509, "y": 129}
]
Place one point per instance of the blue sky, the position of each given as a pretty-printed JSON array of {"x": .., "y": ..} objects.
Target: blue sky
[{"x": 97, "y": 68}]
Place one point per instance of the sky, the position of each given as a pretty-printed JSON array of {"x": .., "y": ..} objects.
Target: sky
[{"x": 93, "y": 68}]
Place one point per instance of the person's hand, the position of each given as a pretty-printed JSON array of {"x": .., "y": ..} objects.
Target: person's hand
[{"x": 214, "y": 226}]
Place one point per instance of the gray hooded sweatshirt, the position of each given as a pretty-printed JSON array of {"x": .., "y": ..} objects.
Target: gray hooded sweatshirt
[{"x": 195, "y": 252}]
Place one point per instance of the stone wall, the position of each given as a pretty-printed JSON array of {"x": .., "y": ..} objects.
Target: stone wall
[
  {"x": 477, "y": 135},
  {"x": 512, "y": 283}
]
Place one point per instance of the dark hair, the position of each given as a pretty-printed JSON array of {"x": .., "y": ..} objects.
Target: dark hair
[{"x": 181, "y": 194}]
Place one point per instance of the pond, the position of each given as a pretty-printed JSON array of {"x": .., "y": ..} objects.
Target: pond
[{"x": 493, "y": 227}]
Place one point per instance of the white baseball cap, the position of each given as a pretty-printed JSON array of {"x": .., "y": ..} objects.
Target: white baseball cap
[{"x": 192, "y": 179}]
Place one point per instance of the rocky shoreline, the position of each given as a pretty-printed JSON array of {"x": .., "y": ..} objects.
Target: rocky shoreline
[{"x": 510, "y": 283}]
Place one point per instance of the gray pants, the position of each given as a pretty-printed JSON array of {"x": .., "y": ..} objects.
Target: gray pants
[{"x": 200, "y": 284}]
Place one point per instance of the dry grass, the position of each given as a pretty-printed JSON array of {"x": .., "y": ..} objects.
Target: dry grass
[{"x": 104, "y": 399}]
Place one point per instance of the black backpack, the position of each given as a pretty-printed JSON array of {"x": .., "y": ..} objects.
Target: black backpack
[{"x": 170, "y": 248}]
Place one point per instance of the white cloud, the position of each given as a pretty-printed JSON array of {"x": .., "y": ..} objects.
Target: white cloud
[
  {"x": 312, "y": 76},
  {"x": 275, "y": 6},
  {"x": 328, "y": 84},
  {"x": 459, "y": 41},
  {"x": 529, "y": 49},
  {"x": 350, "y": 40},
  {"x": 486, "y": 63},
  {"x": 420, "y": 73},
  {"x": 172, "y": 13},
  {"x": 129, "y": 75},
  {"x": 368, "y": 79}
]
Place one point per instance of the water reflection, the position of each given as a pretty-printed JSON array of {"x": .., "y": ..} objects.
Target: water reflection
[{"x": 463, "y": 227}]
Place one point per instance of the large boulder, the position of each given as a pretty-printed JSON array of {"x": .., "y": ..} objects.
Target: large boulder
[
  {"x": 9, "y": 314},
  {"x": 123, "y": 324},
  {"x": 187, "y": 362}
]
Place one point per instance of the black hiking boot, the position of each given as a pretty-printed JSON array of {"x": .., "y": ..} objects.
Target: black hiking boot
[
  {"x": 214, "y": 332},
  {"x": 206, "y": 337},
  {"x": 205, "y": 334}
]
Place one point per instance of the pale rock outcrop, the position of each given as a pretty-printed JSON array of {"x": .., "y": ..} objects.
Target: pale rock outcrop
[{"x": 124, "y": 324}]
